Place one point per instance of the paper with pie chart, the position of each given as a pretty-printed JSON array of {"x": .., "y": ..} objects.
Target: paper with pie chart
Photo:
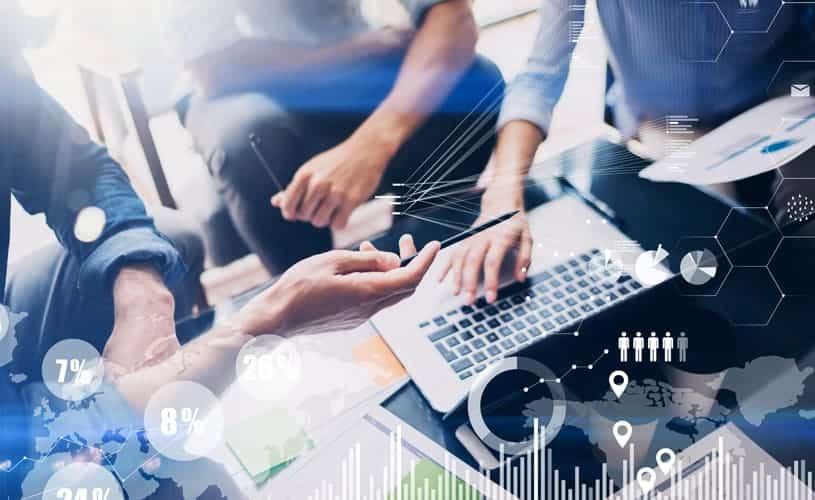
[
  {"x": 698, "y": 267},
  {"x": 651, "y": 268}
]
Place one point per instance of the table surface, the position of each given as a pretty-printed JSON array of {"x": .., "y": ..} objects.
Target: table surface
[{"x": 653, "y": 213}]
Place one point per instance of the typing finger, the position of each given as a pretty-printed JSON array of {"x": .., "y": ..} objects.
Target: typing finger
[
  {"x": 524, "y": 258},
  {"x": 492, "y": 269},
  {"x": 471, "y": 270}
]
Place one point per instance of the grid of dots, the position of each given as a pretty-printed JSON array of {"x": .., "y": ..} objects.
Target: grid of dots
[{"x": 800, "y": 208}]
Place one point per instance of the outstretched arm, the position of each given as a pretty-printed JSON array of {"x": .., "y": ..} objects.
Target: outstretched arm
[
  {"x": 525, "y": 117},
  {"x": 331, "y": 291}
]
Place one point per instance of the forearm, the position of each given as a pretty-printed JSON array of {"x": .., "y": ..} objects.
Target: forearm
[
  {"x": 442, "y": 50},
  {"x": 514, "y": 152},
  {"x": 208, "y": 360}
]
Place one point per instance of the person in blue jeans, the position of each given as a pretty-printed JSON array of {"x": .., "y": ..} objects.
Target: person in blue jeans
[{"x": 345, "y": 105}]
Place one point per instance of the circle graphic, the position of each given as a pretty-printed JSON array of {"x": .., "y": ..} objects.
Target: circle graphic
[
  {"x": 90, "y": 223},
  {"x": 474, "y": 405},
  {"x": 72, "y": 369},
  {"x": 268, "y": 367},
  {"x": 648, "y": 267},
  {"x": 184, "y": 421},
  {"x": 80, "y": 481},
  {"x": 698, "y": 267}
]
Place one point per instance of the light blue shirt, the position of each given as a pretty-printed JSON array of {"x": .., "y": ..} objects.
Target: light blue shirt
[
  {"x": 193, "y": 28},
  {"x": 668, "y": 57}
]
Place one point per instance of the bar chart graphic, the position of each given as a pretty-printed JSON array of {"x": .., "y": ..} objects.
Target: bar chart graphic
[{"x": 726, "y": 465}]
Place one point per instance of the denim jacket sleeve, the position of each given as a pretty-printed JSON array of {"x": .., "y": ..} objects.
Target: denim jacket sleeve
[
  {"x": 533, "y": 94},
  {"x": 54, "y": 168}
]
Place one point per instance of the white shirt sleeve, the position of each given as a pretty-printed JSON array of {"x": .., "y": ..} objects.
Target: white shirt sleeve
[
  {"x": 193, "y": 28},
  {"x": 418, "y": 8},
  {"x": 535, "y": 91}
]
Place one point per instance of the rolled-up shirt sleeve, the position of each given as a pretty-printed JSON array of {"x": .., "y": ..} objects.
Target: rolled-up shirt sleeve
[
  {"x": 193, "y": 28},
  {"x": 418, "y": 8},
  {"x": 57, "y": 170},
  {"x": 533, "y": 94}
]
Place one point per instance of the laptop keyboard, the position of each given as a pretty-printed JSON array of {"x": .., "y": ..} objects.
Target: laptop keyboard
[{"x": 469, "y": 338}]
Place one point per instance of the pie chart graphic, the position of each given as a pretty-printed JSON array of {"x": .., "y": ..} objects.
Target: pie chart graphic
[
  {"x": 698, "y": 267},
  {"x": 649, "y": 267}
]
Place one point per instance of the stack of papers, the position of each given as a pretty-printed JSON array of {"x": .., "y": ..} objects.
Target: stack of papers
[{"x": 343, "y": 375}]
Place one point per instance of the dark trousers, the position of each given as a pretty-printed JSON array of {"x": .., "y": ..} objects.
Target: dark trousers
[{"x": 304, "y": 116}]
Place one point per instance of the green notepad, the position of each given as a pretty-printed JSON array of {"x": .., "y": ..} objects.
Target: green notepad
[{"x": 265, "y": 443}]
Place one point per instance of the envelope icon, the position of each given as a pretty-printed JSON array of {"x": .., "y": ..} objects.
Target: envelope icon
[{"x": 799, "y": 90}]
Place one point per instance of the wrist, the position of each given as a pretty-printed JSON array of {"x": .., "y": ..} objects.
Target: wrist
[
  {"x": 382, "y": 133},
  {"x": 500, "y": 197},
  {"x": 140, "y": 290},
  {"x": 264, "y": 317}
]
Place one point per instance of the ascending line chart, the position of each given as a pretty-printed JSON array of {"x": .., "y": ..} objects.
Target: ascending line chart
[{"x": 698, "y": 267}]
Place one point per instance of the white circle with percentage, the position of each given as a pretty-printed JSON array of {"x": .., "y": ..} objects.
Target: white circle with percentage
[
  {"x": 82, "y": 481},
  {"x": 268, "y": 367},
  {"x": 184, "y": 421},
  {"x": 72, "y": 369}
]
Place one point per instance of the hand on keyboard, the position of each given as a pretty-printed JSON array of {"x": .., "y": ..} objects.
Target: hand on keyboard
[{"x": 487, "y": 251}]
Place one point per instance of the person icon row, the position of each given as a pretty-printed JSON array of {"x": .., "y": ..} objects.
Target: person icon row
[{"x": 653, "y": 344}]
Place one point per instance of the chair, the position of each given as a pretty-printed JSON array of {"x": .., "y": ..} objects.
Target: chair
[{"x": 96, "y": 85}]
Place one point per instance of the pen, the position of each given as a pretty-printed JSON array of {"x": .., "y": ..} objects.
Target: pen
[
  {"x": 591, "y": 200},
  {"x": 469, "y": 232},
  {"x": 255, "y": 143}
]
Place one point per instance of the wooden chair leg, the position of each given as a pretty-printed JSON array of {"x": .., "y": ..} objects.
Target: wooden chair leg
[{"x": 141, "y": 122}]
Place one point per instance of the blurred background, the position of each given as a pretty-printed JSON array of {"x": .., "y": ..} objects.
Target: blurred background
[{"x": 104, "y": 61}]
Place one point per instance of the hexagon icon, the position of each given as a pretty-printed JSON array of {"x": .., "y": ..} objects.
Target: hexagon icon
[
  {"x": 792, "y": 267},
  {"x": 749, "y": 296},
  {"x": 792, "y": 205},
  {"x": 702, "y": 31},
  {"x": 689, "y": 246},
  {"x": 750, "y": 240},
  {"x": 796, "y": 71},
  {"x": 750, "y": 15}
]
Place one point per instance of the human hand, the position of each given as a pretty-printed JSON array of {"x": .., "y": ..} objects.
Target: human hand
[
  {"x": 144, "y": 326},
  {"x": 328, "y": 187},
  {"x": 488, "y": 249},
  {"x": 335, "y": 290}
]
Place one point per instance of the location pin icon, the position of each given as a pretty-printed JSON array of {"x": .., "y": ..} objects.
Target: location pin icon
[
  {"x": 646, "y": 477},
  {"x": 665, "y": 459},
  {"x": 618, "y": 380},
  {"x": 622, "y": 432}
]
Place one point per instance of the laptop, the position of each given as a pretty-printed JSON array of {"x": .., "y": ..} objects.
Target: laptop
[{"x": 575, "y": 273}]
